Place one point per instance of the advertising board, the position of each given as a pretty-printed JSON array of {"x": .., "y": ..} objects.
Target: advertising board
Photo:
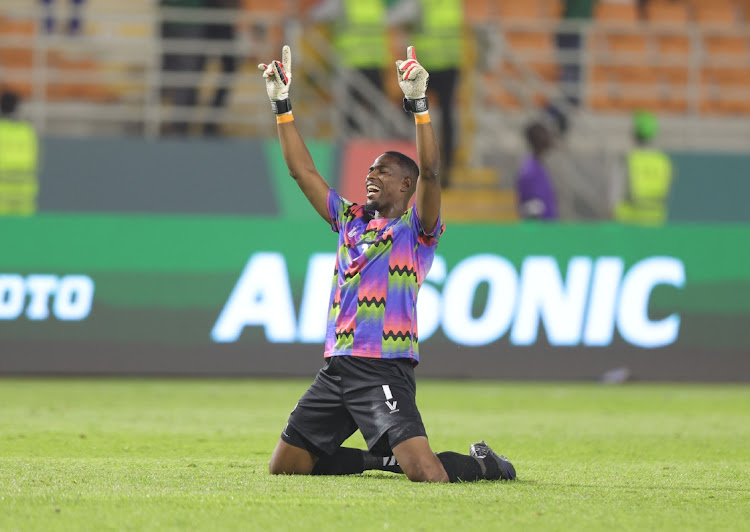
[{"x": 233, "y": 295}]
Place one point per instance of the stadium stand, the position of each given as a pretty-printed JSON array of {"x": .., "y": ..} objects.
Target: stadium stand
[
  {"x": 16, "y": 54},
  {"x": 684, "y": 56},
  {"x": 687, "y": 60}
]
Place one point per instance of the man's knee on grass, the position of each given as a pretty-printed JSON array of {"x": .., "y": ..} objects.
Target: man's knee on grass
[
  {"x": 418, "y": 461},
  {"x": 290, "y": 460}
]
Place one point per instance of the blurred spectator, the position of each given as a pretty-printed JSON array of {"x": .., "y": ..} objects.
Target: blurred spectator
[
  {"x": 435, "y": 31},
  {"x": 182, "y": 96},
  {"x": 536, "y": 194},
  {"x": 222, "y": 32},
  {"x": 18, "y": 160},
  {"x": 569, "y": 43},
  {"x": 360, "y": 37},
  {"x": 643, "y": 6},
  {"x": 641, "y": 187},
  {"x": 75, "y": 16},
  {"x": 185, "y": 96}
]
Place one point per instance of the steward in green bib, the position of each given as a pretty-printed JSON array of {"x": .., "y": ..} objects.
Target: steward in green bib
[
  {"x": 648, "y": 178},
  {"x": 18, "y": 161},
  {"x": 360, "y": 36}
]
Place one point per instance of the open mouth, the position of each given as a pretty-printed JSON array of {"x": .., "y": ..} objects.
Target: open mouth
[{"x": 372, "y": 190}]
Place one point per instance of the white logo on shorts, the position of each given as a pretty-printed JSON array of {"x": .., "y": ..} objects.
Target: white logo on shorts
[{"x": 388, "y": 397}]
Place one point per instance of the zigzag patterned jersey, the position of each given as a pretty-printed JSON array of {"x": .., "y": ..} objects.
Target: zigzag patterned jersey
[{"x": 380, "y": 266}]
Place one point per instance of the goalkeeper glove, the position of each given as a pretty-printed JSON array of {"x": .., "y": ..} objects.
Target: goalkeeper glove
[
  {"x": 278, "y": 76},
  {"x": 413, "y": 80}
]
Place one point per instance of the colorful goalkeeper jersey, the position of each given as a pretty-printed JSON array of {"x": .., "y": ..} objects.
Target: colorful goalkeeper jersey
[{"x": 380, "y": 266}]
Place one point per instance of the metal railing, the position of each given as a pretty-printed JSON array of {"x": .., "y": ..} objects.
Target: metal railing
[
  {"x": 128, "y": 90},
  {"x": 133, "y": 88},
  {"x": 691, "y": 116}
]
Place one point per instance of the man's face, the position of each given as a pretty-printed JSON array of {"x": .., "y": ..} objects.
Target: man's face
[{"x": 385, "y": 183}]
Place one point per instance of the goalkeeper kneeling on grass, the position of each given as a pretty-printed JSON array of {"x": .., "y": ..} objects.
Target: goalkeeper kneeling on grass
[{"x": 385, "y": 249}]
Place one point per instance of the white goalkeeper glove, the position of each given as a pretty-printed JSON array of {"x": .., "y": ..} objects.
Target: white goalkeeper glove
[
  {"x": 278, "y": 76},
  {"x": 413, "y": 80}
]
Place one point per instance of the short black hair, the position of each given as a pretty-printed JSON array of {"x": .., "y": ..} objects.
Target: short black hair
[
  {"x": 407, "y": 164},
  {"x": 532, "y": 132},
  {"x": 408, "y": 168},
  {"x": 8, "y": 102}
]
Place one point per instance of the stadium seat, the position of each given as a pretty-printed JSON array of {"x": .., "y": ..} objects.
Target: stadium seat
[
  {"x": 266, "y": 6},
  {"x": 520, "y": 10},
  {"x": 478, "y": 11},
  {"x": 744, "y": 10},
  {"x": 737, "y": 93},
  {"x": 615, "y": 12},
  {"x": 667, "y": 12},
  {"x": 18, "y": 57},
  {"x": 732, "y": 47},
  {"x": 623, "y": 90},
  {"x": 672, "y": 95},
  {"x": 622, "y": 76},
  {"x": 264, "y": 24},
  {"x": 17, "y": 26},
  {"x": 627, "y": 44},
  {"x": 600, "y": 88},
  {"x": 725, "y": 95},
  {"x": 672, "y": 44},
  {"x": 672, "y": 58},
  {"x": 619, "y": 51},
  {"x": 552, "y": 9},
  {"x": 503, "y": 86},
  {"x": 726, "y": 59},
  {"x": 536, "y": 50},
  {"x": 497, "y": 94},
  {"x": 638, "y": 85},
  {"x": 716, "y": 12},
  {"x": 67, "y": 89}
]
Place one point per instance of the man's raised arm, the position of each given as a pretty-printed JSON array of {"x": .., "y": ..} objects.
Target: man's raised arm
[
  {"x": 413, "y": 78},
  {"x": 278, "y": 76}
]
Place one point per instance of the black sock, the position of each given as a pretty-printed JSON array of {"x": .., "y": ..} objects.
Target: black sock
[
  {"x": 345, "y": 461},
  {"x": 348, "y": 461},
  {"x": 382, "y": 463},
  {"x": 462, "y": 468}
]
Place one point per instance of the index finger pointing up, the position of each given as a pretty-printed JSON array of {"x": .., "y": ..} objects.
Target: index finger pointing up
[
  {"x": 411, "y": 53},
  {"x": 286, "y": 59}
]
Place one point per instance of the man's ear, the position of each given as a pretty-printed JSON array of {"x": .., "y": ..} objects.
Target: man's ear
[{"x": 406, "y": 184}]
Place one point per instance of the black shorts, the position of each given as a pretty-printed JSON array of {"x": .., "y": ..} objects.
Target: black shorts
[{"x": 376, "y": 396}]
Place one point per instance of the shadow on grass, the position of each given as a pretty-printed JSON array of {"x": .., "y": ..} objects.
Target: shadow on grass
[{"x": 385, "y": 475}]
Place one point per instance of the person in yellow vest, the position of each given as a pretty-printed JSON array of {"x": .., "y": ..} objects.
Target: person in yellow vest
[
  {"x": 647, "y": 179},
  {"x": 360, "y": 36},
  {"x": 18, "y": 160},
  {"x": 435, "y": 28}
]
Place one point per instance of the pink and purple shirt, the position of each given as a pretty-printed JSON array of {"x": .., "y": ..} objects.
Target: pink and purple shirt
[{"x": 381, "y": 264}]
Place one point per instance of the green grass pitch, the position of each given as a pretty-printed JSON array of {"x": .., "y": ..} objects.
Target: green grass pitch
[{"x": 118, "y": 454}]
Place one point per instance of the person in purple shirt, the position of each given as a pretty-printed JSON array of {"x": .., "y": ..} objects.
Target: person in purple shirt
[{"x": 536, "y": 195}]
